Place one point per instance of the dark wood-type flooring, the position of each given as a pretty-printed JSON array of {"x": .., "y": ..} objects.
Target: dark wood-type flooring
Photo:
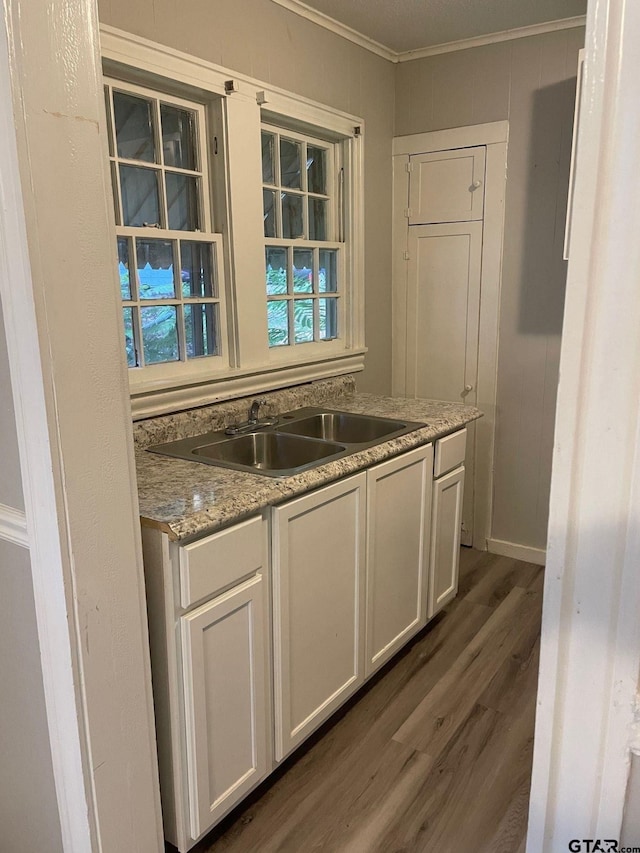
[{"x": 434, "y": 754}]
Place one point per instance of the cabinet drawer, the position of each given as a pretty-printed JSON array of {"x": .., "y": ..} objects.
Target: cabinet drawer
[
  {"x": 450, "y": 452},
  {"x": 220, "y": 560}
]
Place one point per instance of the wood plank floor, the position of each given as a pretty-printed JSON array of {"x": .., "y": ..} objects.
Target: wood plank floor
[{"x": 434, "y": 754}]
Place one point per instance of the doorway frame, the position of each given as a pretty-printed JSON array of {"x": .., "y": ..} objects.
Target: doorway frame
[
  {"x": 494, "y": 136},
  {"x": 588, "y": 703}
]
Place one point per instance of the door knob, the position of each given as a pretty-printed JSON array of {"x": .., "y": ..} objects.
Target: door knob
[
  {"x": 476, "y": 184},
  {"x": 468, "y": 388}
]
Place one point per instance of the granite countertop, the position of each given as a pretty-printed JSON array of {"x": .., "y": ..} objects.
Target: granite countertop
[{"x": 189, "y": 499}]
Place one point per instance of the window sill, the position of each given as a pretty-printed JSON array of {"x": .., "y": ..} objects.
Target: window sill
[{"x": 151, "y": 399}]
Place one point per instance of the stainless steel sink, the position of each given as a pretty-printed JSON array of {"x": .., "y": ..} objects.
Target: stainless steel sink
[
  {"x": 344, "y": 427},
  {"x": 267, "y": 452},
  {"x": 302, "y": 439}
]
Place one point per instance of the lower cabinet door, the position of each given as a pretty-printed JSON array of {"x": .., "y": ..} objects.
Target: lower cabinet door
[
  {"x": 225, "y": 701},
  {"x": 446, "y": 528},
  {"x": 398, "y": 532},
  {"x": 318, "y": 594}
]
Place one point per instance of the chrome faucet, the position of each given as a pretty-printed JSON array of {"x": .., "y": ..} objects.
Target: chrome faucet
[
  {"x": 253, "y": 411},
  {"x": 253, "y": 421}
]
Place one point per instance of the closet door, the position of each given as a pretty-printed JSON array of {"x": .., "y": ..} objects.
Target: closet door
[
  {"x": 443, "y": 311},
  {"x": 443, "y": 307},
  {"x": 446, "y": 186}
]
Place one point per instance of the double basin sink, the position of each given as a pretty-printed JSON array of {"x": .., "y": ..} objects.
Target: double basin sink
[{"x": 300, "y": 440}]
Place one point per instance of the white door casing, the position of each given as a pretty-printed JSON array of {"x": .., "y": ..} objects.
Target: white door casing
[{"x": 587, "y": 705}]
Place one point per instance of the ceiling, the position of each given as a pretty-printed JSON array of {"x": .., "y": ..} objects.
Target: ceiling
[{"x": 403, "y": 25}]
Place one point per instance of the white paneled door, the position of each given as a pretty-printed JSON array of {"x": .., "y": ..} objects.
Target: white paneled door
[
  {"x": 443, "y": 308},
  {"x": 448, "y": 217},
  {"x": 447, "y": 186}
]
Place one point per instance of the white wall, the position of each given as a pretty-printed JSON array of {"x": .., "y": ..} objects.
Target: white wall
[
  {"x": 530, "y": 82},
  {"x": 266, "y": 41}
]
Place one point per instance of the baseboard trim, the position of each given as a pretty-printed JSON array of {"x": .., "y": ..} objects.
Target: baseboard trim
[
  {"x": 517, "y": 552},
  {"x": 13, "y": 526}
]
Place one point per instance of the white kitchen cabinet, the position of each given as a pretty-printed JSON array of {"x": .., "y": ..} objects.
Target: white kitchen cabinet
[
  {"x": 225, "y": 694},
  {"x": 211, "y": 663},
  {"x": 398, "y": 536},
  {"x": 318, "y": 563},
  {"x": 251, "y": 655},
  {"x": 446, "y": 526}
]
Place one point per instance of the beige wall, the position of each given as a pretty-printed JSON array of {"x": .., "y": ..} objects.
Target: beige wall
[
  {"x": 28, "y": 808},
  {"x": 630, "y": 832},
  {"x": 530, "y": 82},
  {"x": 266, "y": 41},
  {"x": 10, "y": 480}
]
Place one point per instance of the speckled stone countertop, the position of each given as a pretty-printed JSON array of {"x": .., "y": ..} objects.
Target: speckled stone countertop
[{"x": 189, "y": 499}]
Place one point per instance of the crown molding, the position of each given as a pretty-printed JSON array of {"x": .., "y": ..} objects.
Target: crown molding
[
  {"x": 322, "y": 20},
  {"x": 493, "y": 38},
  {"x": 328, "y": 23}
]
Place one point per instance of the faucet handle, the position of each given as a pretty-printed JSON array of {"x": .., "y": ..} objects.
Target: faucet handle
[{"x": 255, "y": 408}]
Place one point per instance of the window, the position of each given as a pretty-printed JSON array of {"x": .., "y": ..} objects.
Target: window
[
  {"x": 301, "y": 214},
  {"x": 239, "y": 229},
  {"x": 168, "y": 256}
]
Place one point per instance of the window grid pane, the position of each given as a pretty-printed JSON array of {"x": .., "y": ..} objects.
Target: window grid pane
[
  {"x": 135, "y": 131},
  {"x": 301, "y": 205},
  {"x": 178, "y": 137},
  {"x": 201, "y": 324},
  {"x": 298, "y": 200},
  {"x": 302, "y": 294},
  {"x": 190, "y": 331},
  {"x": 328, "y": 319},
  {"x": 303, "y": 320},
  {"x": 129, "y": 337},
  {"x": 278, "y": 320},
  {"x": 182, "y": 202},
  {"x": 140, "y": 197},
  {"x": 160, "y": 333},
  {"x": 171, "y": 301},
  {"x": 268, "y": 151}
]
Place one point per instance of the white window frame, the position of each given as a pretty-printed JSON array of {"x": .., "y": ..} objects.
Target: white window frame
[
  {"x": 334, "y": 241},
  {"x": 244, "y": 104},
  {"x": 184, "y": 369}
]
